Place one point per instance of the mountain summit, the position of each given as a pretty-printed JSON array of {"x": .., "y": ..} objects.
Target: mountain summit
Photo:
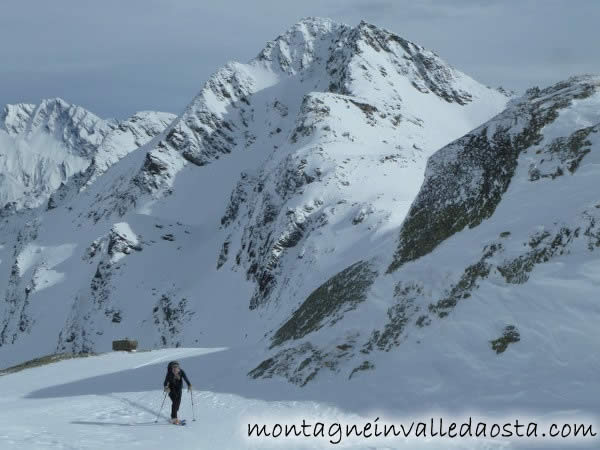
[
  {"x": 407, "y": 84},
  {"x": 215, "y": 227}
]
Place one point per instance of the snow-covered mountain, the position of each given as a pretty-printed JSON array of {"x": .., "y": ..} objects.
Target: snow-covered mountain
[
  {"x": 43, "y": 146},
  {"x": 279, "y": 174},
  {"x": 358, "y": 222},
  {"x": 499, "y": 252}
]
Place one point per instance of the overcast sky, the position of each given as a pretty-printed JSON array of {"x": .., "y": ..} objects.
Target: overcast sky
[{"x": 116, "y": 57}]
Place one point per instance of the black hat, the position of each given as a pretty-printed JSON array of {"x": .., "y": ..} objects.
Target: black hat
[{"x": 173, "y": 363}]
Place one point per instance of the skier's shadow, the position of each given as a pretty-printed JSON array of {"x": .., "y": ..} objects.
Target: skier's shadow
[
  {"x": 211, "y": 371},
  {"x": 219, "y": 371},
  {"x": 143, "y": 378}
]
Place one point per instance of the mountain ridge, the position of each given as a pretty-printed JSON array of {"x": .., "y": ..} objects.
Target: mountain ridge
[
  {"x": 45, "y": 145},
  {"x": 260, "y": 191}
]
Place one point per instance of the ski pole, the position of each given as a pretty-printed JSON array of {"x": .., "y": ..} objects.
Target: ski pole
[
  {"x": 193, "y": 409},
  {"x": 161, "y": 407}
]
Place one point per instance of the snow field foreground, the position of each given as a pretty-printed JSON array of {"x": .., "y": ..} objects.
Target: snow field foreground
[{"x": 111, "y": 401}]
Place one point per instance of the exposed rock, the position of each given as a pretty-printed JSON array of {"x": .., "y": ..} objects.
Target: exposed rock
[
  {"x": 366, "y": 365},
  {"x": 328, "y": 303},
  {"x": 399, "y": 316},
  {"x": 169, "y": 317},
  {"x": 509, "y": 336},
  {"x": 465, "y": 181}
]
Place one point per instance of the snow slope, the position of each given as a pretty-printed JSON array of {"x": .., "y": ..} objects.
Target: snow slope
[
  {"x": 362, "y": 226},
  {"x": 112, "y": 400},
  {"x": 490, "y": 296}
]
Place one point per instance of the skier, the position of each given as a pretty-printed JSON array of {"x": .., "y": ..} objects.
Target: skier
[{"x": 173, "y": 385}]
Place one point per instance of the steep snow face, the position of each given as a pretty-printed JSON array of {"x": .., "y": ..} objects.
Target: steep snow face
[
  {"x": 495, "y": 273},
  {"x": 42, "y": 147},
  {"x": 280, "y": 173}
]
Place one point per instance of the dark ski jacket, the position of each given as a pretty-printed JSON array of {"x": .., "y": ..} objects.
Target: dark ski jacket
[{"x": 176, "y": 384}]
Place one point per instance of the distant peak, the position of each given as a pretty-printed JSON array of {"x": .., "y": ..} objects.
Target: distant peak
[
  {"x": 316, "y": 21},
  {"x": 56, "y": 101},
  {"x": 14, "y": 118},
  {"x": 318, "y": 25}
]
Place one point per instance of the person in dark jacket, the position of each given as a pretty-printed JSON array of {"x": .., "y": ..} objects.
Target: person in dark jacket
[{"x": 173, "y": 385}]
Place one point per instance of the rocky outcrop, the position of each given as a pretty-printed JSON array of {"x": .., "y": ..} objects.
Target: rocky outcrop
[
  {"x": 466, "y": 180},
  {"x": 16, "y": 318},
  {"x": 94, "y": 305},
  {"x": 510, "y": 335},
  {"x": 327, "y": 304}
]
